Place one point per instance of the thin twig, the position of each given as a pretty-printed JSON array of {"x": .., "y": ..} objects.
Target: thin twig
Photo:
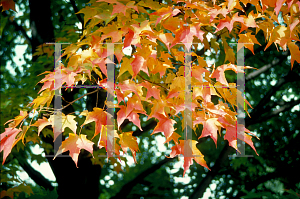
[
  {"x": 80, "y": 98},
  {"x": 153, "y": 83}
]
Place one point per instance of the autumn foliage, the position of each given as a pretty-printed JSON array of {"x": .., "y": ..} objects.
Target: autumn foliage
[{"x": 151, "y": 81}]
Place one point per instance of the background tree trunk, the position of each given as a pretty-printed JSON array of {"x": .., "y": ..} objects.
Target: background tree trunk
[{"x": 81, "y": 182}]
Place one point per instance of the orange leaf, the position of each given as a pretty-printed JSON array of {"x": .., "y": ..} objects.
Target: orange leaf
[
  {"x": 41, "y": 123},
  {"x": 249, "y": 41},
  {"x": 74, "y": 144},
  {"x": 99, "y": 116},
  {"x": 190, "y": 151},
  {"x": 295, "y": 52},
  {"x": 209, "y": 128}
]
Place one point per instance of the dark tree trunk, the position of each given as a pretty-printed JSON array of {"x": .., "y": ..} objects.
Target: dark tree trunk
[{"x": 81, "y": 182}]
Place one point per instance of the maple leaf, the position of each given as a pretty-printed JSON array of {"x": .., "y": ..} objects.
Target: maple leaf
[
  {"x": 220, "y": 75},
  {"x": 41, "y": 123},
  {"x": 74, "y": 144},
  {"x": 166, "y": 38},
  {"x": 249, "y": 41},
  {"x": 295, "y": 52},
  {"x": 100, "y": 117},
  {"x": 175, "y": 136},
  {"x": 132, "y": 36},
  {"x": 130, "y": 86},
  {"x": 152, "y": 91},
  {"x": 7, "y": 4},
  {"x": 210, "y": 127},
  {"x": 190, "y": 151},
  {"x": 15, "y": 122},
  {"x": 280, "y": 35},
  {"x": 126, "y": 66},
  {"x": 292, "y": 26},
  {"x": 45, "y": 97},
  {"x": 278, "y": 6},
  {"x": 139, "y": 64},
  {"x": 101, "y": 62},
  {"x": 234, "y": 131},
  {"x": 121, "y": 8},
  {"x": 113, "y": 32},
  {"x": 165, "y": 125},
  {"x": 129, "y": 141},
  {"x": 158, "y": 108},
  {"x": 131, "y": 115},
  {"x": 216, "y": 11},
  {"x": 128, "y": 37},
  {"x": 228, "y": 22},
  {"x": 8, "y": 140},
  {"x": 56, "y": 122},
  {"x": 250, "y": 20},
  {"x": 165, "y": 12},
  {"x": 67, "y": 76},
  {"x": 205, "y": 91},
  {"x": 186, "y": 35},
  {"x": 108, "y": 132}
]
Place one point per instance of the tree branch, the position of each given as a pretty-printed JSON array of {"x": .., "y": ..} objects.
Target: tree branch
[
  {"x": 126, "y": 189},
  {"x": 76, "y": 11},
  {"x": 148, "y": 127},
  {"x": 290, "y": 77},
  {"x": 19, "y": 28},
  {"x": 200, "y": 189},
  {"x": 287, "y": 106},
  {"x": 266, "y": 67},
  {"x": 251, "y": 185},
  {"x": 36, "y": 176}
]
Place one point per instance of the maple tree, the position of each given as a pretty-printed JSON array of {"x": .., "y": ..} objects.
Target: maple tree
[{"x": 151, "y": 80}]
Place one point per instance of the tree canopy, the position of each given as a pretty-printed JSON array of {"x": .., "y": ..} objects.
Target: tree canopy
[{"x": 179, "y": 79}]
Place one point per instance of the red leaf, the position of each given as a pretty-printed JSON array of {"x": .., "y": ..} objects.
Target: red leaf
[
  {"x": 8, "y": 4},
  {"x": 7, "y": 141},
  {"x": 139, "y": 64},
  {"x": 278, "y": 6},
  {"x": 128, "y": 38},
  {"x": 232, "y": 135},
  {"x": 152, "y": 91}
]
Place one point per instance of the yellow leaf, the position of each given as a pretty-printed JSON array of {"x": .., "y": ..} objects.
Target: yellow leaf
[{"x": 129, "y": 141}]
